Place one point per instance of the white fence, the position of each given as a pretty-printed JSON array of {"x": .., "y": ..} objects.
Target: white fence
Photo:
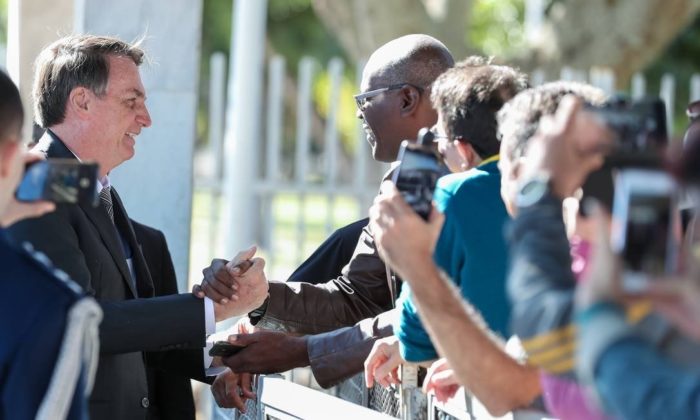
[{"x": 315, "y": 171}]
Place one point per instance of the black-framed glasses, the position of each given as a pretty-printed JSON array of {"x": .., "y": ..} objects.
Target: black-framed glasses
[{"x": 361, "y": 99}]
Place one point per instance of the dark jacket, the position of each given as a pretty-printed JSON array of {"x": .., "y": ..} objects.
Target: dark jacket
[
  {"x": 340, "y": 353},
  {"x": 170, "y": 392},
  {"x": 361, "y": 291},
  {"x": 33, "y": 311},
  {"x": 83, "y": 242}
]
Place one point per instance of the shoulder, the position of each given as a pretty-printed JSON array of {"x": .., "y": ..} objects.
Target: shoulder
[
  {"x": 472, "y": 186},
  {"x": 29, "y": 274}
]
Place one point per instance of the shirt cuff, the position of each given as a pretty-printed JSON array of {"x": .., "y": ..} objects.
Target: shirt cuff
[{"x": 210, "y": 328}]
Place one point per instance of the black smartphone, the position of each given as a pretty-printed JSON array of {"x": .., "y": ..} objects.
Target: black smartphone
[
  {"x": 224, "y": 349},
  {"x": 416, "y": 177},
  {"x": 59, "y": 181},
  {"x": 646, "y": 226}
]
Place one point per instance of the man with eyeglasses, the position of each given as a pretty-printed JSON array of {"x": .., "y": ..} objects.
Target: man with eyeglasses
[
  {"x": 463, "y": 241},
  {"x": 393, "y": 105}
]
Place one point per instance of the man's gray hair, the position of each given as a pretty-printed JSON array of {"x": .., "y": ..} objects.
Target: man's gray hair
[
  {"x": 70, "y": 62},
  {"x": 519, "y": 119}
]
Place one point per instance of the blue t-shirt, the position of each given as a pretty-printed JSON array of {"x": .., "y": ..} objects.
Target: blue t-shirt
[{"x": 471, "y": 249}]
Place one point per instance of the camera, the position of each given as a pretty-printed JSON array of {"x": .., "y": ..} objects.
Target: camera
[
  {"x": 421, "y": 166},
  {"x": 59, "y": 180},
  {"x": 639, "y": 141}
]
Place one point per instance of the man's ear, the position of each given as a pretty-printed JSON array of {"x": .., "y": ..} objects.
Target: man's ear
[
  {"x": 466, "y": 153},
  {"x": 79, "y": 99},
  {"x": 410, "y": 98},
  {"x": 517, "y": 168},
  {"x": 8, "y": 150}
]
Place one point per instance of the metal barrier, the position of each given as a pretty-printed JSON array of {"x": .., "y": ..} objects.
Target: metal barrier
[{"x": 280, "y": 399}]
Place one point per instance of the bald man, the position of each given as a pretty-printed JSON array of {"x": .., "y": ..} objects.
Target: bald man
[{"x": 394, "y": 104}]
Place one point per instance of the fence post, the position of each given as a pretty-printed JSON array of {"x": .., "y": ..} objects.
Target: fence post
[
  {"x": 335, "y": 72},
  {"x": 695, "y": 87},
  {"x": 275, "y": 123},
  {"x": 639, "y": 86},
  {"x": 668, "y": 94},
  {"x": 242, "y": 128},
  {"x": 303, "y": 134}
]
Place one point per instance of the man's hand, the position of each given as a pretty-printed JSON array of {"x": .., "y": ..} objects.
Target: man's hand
[
  {"x": 251, "y": 292},
  {"x": 568, "y": 145},
  {"x": 17, "y": 210},
  {"x": 441, "y": 380},
  {"x": 383, "y": 362},
  {"x": 267, "y": 352},
  {"x": 404, "y": 240},
  {"x": 219, "y": 282},
  {"x": 231, "y": 389}
]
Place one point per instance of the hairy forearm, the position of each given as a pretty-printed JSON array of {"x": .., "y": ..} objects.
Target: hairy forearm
[{"x": 484, "y": 368}]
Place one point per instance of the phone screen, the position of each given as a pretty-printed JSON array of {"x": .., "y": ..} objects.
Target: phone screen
[
  {"x": 648, "y": 224},
  {"x": 60, "y": 181}
]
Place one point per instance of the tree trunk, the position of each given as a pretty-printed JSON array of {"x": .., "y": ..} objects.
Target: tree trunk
[
  {"x": 361, "y": 26},
  {"x": 624, "y": 35}
]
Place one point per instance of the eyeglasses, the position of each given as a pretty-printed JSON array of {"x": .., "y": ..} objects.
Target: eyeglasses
[
  {"x": 362, "y": 98},
  {"x": 693, "y": 110}
]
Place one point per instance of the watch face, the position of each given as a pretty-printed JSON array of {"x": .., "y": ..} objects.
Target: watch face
[{"x": 532, "y": 191}]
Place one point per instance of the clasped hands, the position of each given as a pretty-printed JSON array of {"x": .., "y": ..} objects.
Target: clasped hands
[{"x": 236, "y": 287}]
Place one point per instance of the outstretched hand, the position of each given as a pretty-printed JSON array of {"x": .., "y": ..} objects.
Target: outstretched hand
[{"x": 18, "y": 210}]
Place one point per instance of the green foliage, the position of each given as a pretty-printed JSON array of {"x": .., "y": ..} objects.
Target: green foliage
[
  {"x": 497, "y": 26},
  {"x": 681, "y": 59},
  {"x": 3, "y": 21}
]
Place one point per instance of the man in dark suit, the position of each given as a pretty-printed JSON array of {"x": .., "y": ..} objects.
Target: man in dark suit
[
  {"x": 170, "y": 392},
  {"x": 89, "y": 96}
]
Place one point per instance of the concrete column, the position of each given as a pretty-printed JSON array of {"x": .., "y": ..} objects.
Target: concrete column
[
  {"x": 156, "y": 185},
  {"x": 32, "y": 25},
  {"x": 243, "y": 124}
]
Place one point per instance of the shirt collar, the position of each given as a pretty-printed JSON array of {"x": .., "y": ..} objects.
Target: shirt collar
[{"x": 493, "y": 158}]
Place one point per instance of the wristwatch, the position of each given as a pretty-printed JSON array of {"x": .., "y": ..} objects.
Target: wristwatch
[
  {"x": 256, "y": 315},
  {"x": 533, "y": 190}
]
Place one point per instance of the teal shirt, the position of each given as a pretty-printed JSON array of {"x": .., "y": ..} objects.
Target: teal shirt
[{"x": 471, "y": 249}]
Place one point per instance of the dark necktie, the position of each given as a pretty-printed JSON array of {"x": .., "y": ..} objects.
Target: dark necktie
[{"x": 106, "y": 199}]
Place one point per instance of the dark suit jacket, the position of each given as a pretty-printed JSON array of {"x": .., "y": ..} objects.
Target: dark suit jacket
[
  {"x": 82, "y": 241},
  {"x": 170, "y": 392}
]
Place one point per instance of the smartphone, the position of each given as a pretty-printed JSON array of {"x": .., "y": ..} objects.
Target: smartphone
[
  {"x": 224, "y": 349},
  {"x": 59, "y": 181},
  {"x": 646, "y": 226},
  {"x": 416, "y": 177}
]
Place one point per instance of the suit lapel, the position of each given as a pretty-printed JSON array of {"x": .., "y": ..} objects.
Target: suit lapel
[
  {"x": 144, "y": 282},
  {"x": 52, "y": 147}
]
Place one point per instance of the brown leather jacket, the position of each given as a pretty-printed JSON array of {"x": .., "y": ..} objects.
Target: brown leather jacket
[{"x": 361, "y": 291}]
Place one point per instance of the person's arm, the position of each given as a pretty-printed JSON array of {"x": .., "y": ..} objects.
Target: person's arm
[
  {"x": 486, "y": 369},
  {"x": 360, "y": 292},
  {"x": 541, "y": 286},
  {"x": 337, "y": 355},
  {"x": 632, "y": 380}
]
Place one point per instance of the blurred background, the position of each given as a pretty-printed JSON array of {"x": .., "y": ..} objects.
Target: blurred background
[{"x": 255, "y": 139}]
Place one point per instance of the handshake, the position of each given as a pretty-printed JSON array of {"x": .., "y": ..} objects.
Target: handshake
[{"x": 236, "y": 287}]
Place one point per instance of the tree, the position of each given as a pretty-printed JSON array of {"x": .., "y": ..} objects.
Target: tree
[{"x": 624, "y": 35}]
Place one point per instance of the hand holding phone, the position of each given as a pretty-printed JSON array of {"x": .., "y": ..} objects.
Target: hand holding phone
[
  {"x": 224, "y": 349},
  {"x": 417, "y": 175},
  {"x": 59, "y": 181}
]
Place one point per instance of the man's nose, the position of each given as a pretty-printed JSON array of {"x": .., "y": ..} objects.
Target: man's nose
[
  {"x": 359, "y": 115},
  {"x": 144, "y": 117}
]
